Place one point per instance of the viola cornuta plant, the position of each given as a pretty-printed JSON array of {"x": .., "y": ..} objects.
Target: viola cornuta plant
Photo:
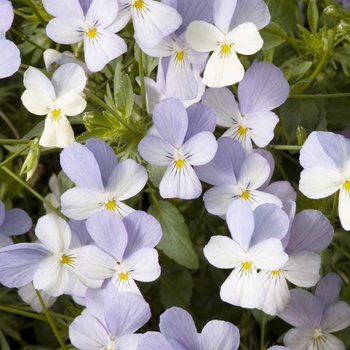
[{"x": 174, "y": 175}]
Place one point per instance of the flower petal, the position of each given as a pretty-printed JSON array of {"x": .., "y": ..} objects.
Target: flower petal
[
  {"x": 222, "y": 12},
  {"x": 16, "y": 222},
  {"x": 217, "y": 199},
  {"x": 336, "y": 317},
  {"x": 10, "y": 59},
  {"x": 37, "y": 102},
  {"x": 66, "y": 30},
  {"x": 64, "y": 8},
  {"x": 246, "y": 39}
]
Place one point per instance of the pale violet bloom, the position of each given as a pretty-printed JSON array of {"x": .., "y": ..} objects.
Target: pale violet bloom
[
  {"x": 124, "y": 250},
  {"x": 92, "y": 21},
  {"x": 310, "y": 232},
  {"x": 102, "y": 182},
  {"x": 255, "y": 244},
  {"x": 13, "y": 222},
  {"x": 325, "y": 157},
  {"x": 185, "y": 140},
  {"x": 49, "y": 263},
  {"x": 152, "y": 20},
  {"x": 235, "y": 175},
  {"x": 57, "y": 98},
  {"x": 10, "y": 59},
  {"x": 235, "y": 30},
  {"x": 178, "y": 331},
  {"x": 278, "y": 347},
  {"x": 110, "y": 320},
  {"x": 315, "y": 317},
  {"x": 262, "y": 89}
]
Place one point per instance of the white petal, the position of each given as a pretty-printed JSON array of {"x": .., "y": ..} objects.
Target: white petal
[
  {"x": 217, "y": 199},
  {"x": 203, "y": 36},
  {"x": 336, "y": 317},
  {"x": 319, "y": 182},
  {"x": 63, "y": 8},
  {"x": 66, "y": 30},
  {"x": 258, "y": 197},
  {"x": 72, "y": 103},
  {"x": 223, "y": 252},
  {"x": 223, "y": 69},
  {"x": 246, "y": 39},
  {"x": 223, "y": 12},
  {"x": 34, "y": 79},
  {"x": 10, "y": 58},
  {"x": 103, "y": 12},
  {"x": 243, "y": 288},
  {"x": 57, "y": 132},
  {"x": 344, "y": 208},
  {"x": 299, "y": 339},
  {"x": 37, "y": 102}
]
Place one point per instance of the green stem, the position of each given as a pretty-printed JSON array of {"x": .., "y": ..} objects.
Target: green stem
[
  {"x": 32, "y": 191},
  {"x": 338, "y": 95},
  {"x": 23, "y": 313},
  {"x": 112, "y": 111},
  {"x": 279, "y": 166},
  {"x": 12, "y": 142},
  {"x": 262, "y": 331},
  {"x": 334, "y": 207},
  {"x": 51, "y": 321},
  {"x": 142, "y": 85},
  {"x": 25, "y": 38},
  {"x": 285, "y": 147},
  {"x": 14, "y": 155}
]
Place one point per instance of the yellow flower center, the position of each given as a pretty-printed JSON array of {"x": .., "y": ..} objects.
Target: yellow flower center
[
  {"x": 245, "y": 195},
  {"x": 139, "y": 5},
  {"x": 180, "y": 163},
  {"x": 179, "y": 55},
  {"x": 275, "y": 272},
  {"x": 242, "y": 130},
  {"x": 67, "y": 260},
  {"x": 123, "y": 276},
  {"x": 346, "y": 185},
  {"x": 111, "y": 205},
  {"x": 225, "y": 50},
  {"x": 92, "y": 32},
  {"x": 317, "y": 336},
  {"x": 55, "y": 114},
  {"x": 247, "y": 265}
]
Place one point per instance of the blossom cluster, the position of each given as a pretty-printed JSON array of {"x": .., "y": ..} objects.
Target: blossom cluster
[{"x": 113, "y": 220}]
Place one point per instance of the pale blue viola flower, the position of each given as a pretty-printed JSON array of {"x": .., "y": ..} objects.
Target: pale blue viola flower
[
  {"x": 185, "y": 140},
  {"x": 310, "y": 232},
  {"x": 255, "y": 244},
  {"x": 235, "y": 30},
  {"x": 325, "y": 157},
  {"x": 110, "y": 321},
  {"x": 102, "y": 182},
  {"x": 178, "y": 331},
  {"x": 152, "y": 20},
  {"x": 49, "y": 263},
  {"x": 94, "y": 22},
  {"x": 315, "y": 317},
  {"x": 13, "y": 222},
  {"x": 278, "y": 347},
  {"x": 262, "y": 89},
  {"x": 235, "y": 175},
  {"x": 10, "y": 59},
  {"x": 123, "y": 251}
]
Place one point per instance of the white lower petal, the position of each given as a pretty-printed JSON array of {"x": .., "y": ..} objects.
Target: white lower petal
[
  {"x": 37, "y": 102},
  {"x": 344, "y": 208},
  {"x": 57, "y": 132},
  {"x": 223, "y": 69},
  {"x": 299, "y": 338},
  {"x": 125, "y": 284},
  {"x": 243, "y": 288}
]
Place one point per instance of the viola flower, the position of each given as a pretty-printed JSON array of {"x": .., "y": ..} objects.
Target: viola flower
[
  {"x": 49, "y": 263},
  {"x": 317, "y": 316},
  {"x": 58, "y": 98},
  {"x": 178, "y": 331},
  {"x": 102, "y": 182},
  {"x": 94, "y": 22},
  {"x": 325, "y": 157},
  {"x": 13, "y": 222},
  {"x": 255, "y": 245},
  {"x": 124, "y": 250},
  {"x": 235, "y": 175},
  {"x": 235, "y": 30},
  {"x": 111, "y": 320},
  {"x": 10, "y": 59},
  {"x": 310, "y": 232},
  {"x": 152, "y": 20},
  {"x": 185, "y": 140},
  {"x": 262, "y": 89}
]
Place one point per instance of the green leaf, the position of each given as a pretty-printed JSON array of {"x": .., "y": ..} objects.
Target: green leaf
[
  {"x": 312, "y": 16},
  {"x": 176, "y": 287},
  {"x": 282, "y": 13},
  {"x": 155, "y": 173},
  {"x": 148, "y": 62},
  {"x": 175, "y": 242},
  {"x": 273, "y": 35},
  {"x": 125, "y": 97}
]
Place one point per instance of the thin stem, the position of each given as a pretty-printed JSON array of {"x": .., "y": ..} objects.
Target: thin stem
[
  {"x": 23, "y": 313},
  {"x": 25, "y": 38},
  {"x": 285, "y": 147},
  {"x": 14, "y": 155},
  {"x": 262, "y": 331},
  {"x": 112, "y": 111},
  {"x": 33, "y": 192},
  {"x": 142, "y": 85},
  {"x": 10, "y": 125},
  {"x": 334, "y": 207},
  {"x": 338, "y": 95},
  {"x": 51, "y": 321},
  {"x": 12, "y": 142}
]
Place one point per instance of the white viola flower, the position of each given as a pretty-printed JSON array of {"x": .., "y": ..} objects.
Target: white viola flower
[
  {"x": 58, "y": 98},
  {"x": 102, "y": 182},
  {"x": 152, "y": 20},
  {"x": 255, "y": 245},
  {"x": 325, "y": 157},
  {"x": 94, "y": 22},
  {"x": 235, "y": 30},
  {"x": 262, "y": 89}
]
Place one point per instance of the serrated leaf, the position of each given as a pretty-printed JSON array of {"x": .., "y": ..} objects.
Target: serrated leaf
[
  {"x": 176, "y": 287},
  {"x": 125, "y": 97},
  {"x": 312, "y": 16},
  {"x": 175, "y": 242}
]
